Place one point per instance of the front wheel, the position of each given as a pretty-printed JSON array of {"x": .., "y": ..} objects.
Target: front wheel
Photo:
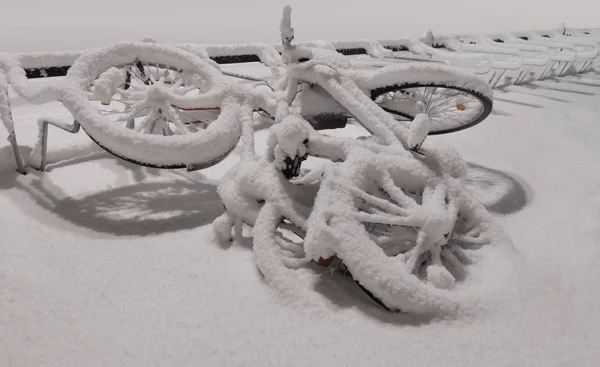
[{"x": 454, "y": 100}]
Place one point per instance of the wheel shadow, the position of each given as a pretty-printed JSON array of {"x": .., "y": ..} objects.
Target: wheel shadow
[
  {"x": 57, "y": 158},
  {"x": 498, "y": 191},
  {"x": 143, "y": 209},
  {"x": 496, "y": 111},
  {"x": 140, "y": 209},
  {"x": 580, "y": 80},
  {"x": 520, "y": 90},
  {"x": 555, "y": 87},
  {"x": 521, "y": 103}
]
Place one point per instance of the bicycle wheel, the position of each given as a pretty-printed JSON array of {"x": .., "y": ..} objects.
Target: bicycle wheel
[
  {"x": 453, "y": 99},
  {"x": 450, "y": 108},
  {"x": 417, "y": 243},
  {"x": 389, "y": 262},
  {"x": 141, "y": 102}
]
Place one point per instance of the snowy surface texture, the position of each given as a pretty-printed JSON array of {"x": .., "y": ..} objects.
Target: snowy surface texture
[{"x": 106, "y": 263}]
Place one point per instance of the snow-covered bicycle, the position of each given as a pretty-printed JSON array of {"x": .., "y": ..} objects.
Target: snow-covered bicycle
[
  {"x": 400, "y": 224},
  {"x": 171, "y": 107}
]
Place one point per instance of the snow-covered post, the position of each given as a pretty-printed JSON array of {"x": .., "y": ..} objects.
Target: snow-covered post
[
  {"x": 287, "y": 35},
  {"x": 285, "y": 27},
  {"x": 7, "y": 121}
]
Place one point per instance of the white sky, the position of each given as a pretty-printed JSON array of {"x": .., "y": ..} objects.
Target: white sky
[{"x": 37, "y": 25}]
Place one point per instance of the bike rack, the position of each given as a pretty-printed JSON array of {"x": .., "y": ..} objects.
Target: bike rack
[
  {"x": 582, "y": 32},
  {"x": 44, "y": 123},
  {"x": 502, "y": 60},
  {"x": 577, "y": 36},
  {"x": 562, "y": 55},
  {"x": 416, "y": 50},
  {"x": 545, "y": 55},
  {"x": 585, "y": 51}
]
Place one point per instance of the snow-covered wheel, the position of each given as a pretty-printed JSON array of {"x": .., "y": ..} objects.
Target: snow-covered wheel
[
  {"x": 142, "y": 82},
  {"x": 416, "y": 243},
  {"x": 153, "y": 105},
  {"x": 450, "y": 107}
]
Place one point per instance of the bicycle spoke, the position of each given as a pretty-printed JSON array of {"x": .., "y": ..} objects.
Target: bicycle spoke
[
  {"x": 151, "y": 117},
  {"x": 149, "y": 74},
  {"x": 176, "y": 78},
  {"x": 431, "y": 105},
  {"x": 157, "y": 68},
  {"x": 434, "y": 89},
  {"x": 172, "y": 115}
]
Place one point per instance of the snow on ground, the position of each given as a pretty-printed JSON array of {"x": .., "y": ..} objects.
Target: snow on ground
[{"x": 106, "y": 263}]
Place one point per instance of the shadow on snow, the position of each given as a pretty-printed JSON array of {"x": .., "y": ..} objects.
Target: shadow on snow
[{"x": 139, "y": 209}]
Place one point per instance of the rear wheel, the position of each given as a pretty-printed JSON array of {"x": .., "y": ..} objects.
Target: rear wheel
[
  {"x": 138, "y": 101},
  {"x": 450, "y": 108},
  {"x": 145, "y": 80}
]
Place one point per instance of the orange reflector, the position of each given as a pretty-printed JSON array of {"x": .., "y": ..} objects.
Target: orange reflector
[{"x": 460, "y": 107}]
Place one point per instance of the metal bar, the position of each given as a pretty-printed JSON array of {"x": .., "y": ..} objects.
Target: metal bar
[
  {"x": 242, "y": 76},
  {"x": 9, "y": 124},
  {"x": 43, "y": 125},
  {"x": 500, "y": 75},
  {"x": 523, "y": 74},
  {"x": 12, "y": 138}
]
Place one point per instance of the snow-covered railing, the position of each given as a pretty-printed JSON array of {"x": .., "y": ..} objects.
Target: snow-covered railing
[
  {"x": 409, "y": 49},
  {"x": 501, "y": 60},
  {"x": 587, "y": 43},
  {"x": 585, "y": 51},
  {"x": 582, "y": 31},
  {"x": 494, "y": 56},
  {"x": 58, "y": 62},
  {"x": 46, "y": 64},
  {"x": 532, "y": 57}
]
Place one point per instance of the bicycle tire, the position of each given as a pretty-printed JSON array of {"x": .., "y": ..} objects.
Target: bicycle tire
[
  {"x": 438, "y": 127},
  {"x": 200, "y": 149}
]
